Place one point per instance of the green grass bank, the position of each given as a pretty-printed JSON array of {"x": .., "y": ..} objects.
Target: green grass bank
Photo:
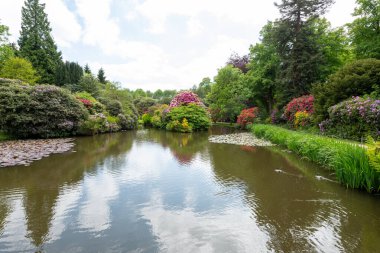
[{"x": 348, "y": 160}]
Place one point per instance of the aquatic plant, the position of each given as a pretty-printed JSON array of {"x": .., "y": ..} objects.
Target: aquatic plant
[{"x": 349, "y": 160}]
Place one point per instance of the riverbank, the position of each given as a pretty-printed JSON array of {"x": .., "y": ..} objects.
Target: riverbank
[
  {"x": 348, "y": 160},
  {"x": 24, "y": 152}
]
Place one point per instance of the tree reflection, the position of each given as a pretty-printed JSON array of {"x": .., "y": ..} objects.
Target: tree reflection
[{"x": 43, "y": 180}]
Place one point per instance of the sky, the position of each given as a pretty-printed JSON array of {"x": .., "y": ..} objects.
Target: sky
[{"x": 152, "y": 44}]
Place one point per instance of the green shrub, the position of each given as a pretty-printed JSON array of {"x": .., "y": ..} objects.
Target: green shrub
[
  {"x": 177, "y": 126},
  {"x": 143, "y": 103},
  {"x": 146, "y": 118},
  {"x": 19, "y": 68},
  {"x": 95, "y": 124},
  {"x": 355, "y": 79},
  {"x": 355, "y": 118},
  {"x": 39, "y": 111},
  {"x": 197, "y": 116},
  {"x": 126, "y": 122},
  {"x": 156, "y": 121},
  {"x": 348, "y": 160},
  {"x": 114, "y": 107}
]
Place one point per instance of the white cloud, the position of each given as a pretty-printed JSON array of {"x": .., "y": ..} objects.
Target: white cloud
[{"x": 153, "y": 44}]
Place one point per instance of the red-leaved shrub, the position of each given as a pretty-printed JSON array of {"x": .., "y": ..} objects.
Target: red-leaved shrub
[
  {"x": 247, "y": 116},
  {"x": 301, "y": 104}
]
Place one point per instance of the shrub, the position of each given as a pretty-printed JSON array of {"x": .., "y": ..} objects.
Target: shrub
[
  {"x": 185, "y": 98},
  {"x": 247, "y": 116},
  {"x": 197, "y": 116},
  {"x": 355, "y": 79},
  {"x": 302, "y": 119},
  {"x": 114, "y": 107},
  {"x": 39, "y": 111},
  {"x": 146, "y": 118},
  {"x": 143, "y": 103},
  {"x": 126, "y": 122},
  {"x": 354, "y": 118},
  {"x": 177, "y": 126},
  {"x": 304, "y": 103},
  {"x": 19, "y": 68},
  {"x": 349, "y": 160},
  {"x": 95, "y": 124},
  {"x": 157, "y": 121},
  {"x": 92, "y": 105}
]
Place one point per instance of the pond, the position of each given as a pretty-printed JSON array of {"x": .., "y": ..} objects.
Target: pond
[{"x": 156, "y": 191}]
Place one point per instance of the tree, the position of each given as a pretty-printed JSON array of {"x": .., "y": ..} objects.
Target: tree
[
  {"x": 89, "y": 84},
  {"x": 6, "y": 50},
  {"x": 87, "y": 69},
  {"x": 365, "y": 29},
  {"x": 68, "y": 73},
  {"x": 36, "y": 43},
  {"x": 228, "y": 95},
  {"x": 101, "y": 76},
  {"x": 298, "y": 49},
  {"x": 203, "y": 88},
  {"x": 264, "y": 69},
  {"x": 239, "y": 62},
  {"x": 19, "y": 68}
]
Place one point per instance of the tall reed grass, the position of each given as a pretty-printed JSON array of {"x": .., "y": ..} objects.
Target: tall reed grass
[{"x": 348, "y": 160}]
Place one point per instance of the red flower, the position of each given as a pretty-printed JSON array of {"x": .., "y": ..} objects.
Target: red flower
[{"x": 247, "y": 116}]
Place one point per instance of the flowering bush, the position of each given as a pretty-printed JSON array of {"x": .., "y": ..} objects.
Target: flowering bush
[
  {"x": 87, "y": 103},
  {"x": 177, "y": 126},
  {"x": 301, "y": 119},
  {"x": 185, "y": 98},
  {"x": 39, "y": 111},
  {"x": 304, "y": 103},
  {"x": 196, "y": 116},
  {"x": 353, "y": 119},
  {"x": 247, "y": 116}
]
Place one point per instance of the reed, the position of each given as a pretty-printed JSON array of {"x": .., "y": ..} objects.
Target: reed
[{"x": 348, "y": 160}]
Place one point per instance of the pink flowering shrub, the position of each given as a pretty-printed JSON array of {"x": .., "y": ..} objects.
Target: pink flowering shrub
[
  {"x": 87, "y": 103},
  {"x": 247, "y": 116},
  {"x": 301, "y": 104},
  {"x": 185, "y": 98},
  {"x": 353, "y": 119}
]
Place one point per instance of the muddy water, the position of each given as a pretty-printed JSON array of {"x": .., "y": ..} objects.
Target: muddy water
[{"x": 155, "y": 191}]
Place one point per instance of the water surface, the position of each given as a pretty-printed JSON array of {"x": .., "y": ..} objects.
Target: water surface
[{"x": 156, "y": 191}]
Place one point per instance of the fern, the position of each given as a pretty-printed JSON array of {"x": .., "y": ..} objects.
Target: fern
[{"x": 373, "y": 153}]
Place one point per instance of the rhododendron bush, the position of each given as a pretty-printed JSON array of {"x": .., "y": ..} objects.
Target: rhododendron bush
[
  {"x": 353, "y": 119},
  {"x": 185, "y": 98},
  {"x": 301, "y": 104},
  {"x": 247, "y": 116}
]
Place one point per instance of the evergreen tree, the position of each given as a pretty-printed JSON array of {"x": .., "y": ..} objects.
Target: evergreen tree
[
  {"x": 36, "y": 43},
  {"x": 101, "y": 76},
  {"x": 298, "y": 47},
  {"x": 87, "y": 69},
  {"x": 68, "y": 73}
]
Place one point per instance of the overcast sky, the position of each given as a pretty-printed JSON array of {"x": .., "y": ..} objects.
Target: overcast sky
[{"x": 151, "y": 44}]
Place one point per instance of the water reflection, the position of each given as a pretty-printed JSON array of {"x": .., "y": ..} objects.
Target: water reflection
[{"x": 154, "y": 191}]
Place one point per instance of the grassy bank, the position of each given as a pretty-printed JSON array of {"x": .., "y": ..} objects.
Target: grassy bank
[{"x": 349, "y": 160}]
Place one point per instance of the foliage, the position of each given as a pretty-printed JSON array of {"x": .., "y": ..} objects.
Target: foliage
[
  {"x": 301, "y": 104},
  {"x": 203, "y": 89},
  {"x": 373, "y": 153},
  {"x": 228, "y": 95},
  {"x": 68, "y": 73},
  {"x": 355, "y": 79},
  {"x": 89, "y": 84},
  {"x": 95, "y": 124},
  {"x": 92, "y": 105},
  {"x": 354, "y": 118},
  {"x": 297, "y": 45},
  {"x": 365, "y": 29},
  {"x": 6, "y": 50},
  {"x": 113, "y": 107},
  {"x": 177, "y": 126},
  {"x": 36, "y": 43},
  {"x": 348, "y": 160},
  {"x": 39, "y": 111},
  {"x": 239, "y": 62},
  {"x": 19, "y": 68},
  {"x": 185, "y": 98},
  {"x": 247, "y": 116},
  {"x": 302, "y": 119},
  {"x": 101, "y": 76},
  {"x": 196, "y": 116},
  {"x": 127, "y": 122},
  {"x": 143, "y": 103},
  {"x": 147, "y": 119},
  {"x": 87, "y": 69}
]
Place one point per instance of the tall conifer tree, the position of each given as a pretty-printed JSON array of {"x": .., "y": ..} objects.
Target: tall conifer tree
[
  {"x": 101, "y": 76},
  {"x": 36, "y": 43},
  {"x": 298, "y": 48}
]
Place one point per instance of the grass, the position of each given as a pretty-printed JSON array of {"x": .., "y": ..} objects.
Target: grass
[
  {"x": 348, "y": 160},
  {"x": 4, "y": 137}
]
